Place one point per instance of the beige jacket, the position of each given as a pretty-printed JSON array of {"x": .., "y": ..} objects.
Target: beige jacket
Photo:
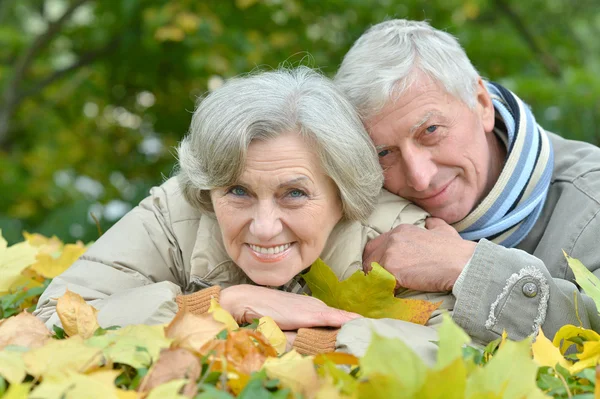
[{"x": 164, "y": 247}]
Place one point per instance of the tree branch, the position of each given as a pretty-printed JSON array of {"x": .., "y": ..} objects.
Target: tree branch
[
  {"x": 547, "y": 60},
  {"x": 84, "y": 59},
  {"x": 10, "y": 93}
]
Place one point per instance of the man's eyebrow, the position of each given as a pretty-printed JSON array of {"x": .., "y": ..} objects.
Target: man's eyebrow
[
  {"x": 294, "y": 181},
  {"x": 423, "y": 120}
]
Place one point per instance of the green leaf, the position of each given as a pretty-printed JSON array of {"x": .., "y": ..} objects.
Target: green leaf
[
  {"x": 586, "y": 279},
  {"x": 392, "y": 363},
  {"x": 370, "y": 295},
  {"x": 452, "y": 338}
]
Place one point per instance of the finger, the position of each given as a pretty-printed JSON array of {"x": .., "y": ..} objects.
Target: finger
[
  {"x": 290, "y": 336},
  {"x": 335, "y": 317},
  {"x": 374, "y": 251},
  {"x": 433, "y": 223}
]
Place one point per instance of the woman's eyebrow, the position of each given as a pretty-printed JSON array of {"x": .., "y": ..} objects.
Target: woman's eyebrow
[{"x": 294, "y": 181}]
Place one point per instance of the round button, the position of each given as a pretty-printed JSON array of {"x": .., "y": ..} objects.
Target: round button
[{"x": 530, "y": 290}]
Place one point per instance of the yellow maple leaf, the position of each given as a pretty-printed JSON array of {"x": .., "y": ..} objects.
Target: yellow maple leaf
[
  {"x": 546, "y": 354},
  {"x": 222, "y": 316},
  {"x": 273, "y": 333},
  {"x": 586, "y": 279},
  {"x": 370, "y": 295},
  {"x": 12, "y": 367},
  {"x": 18, "y": 391},
  {"x": 50, "y": 266},
  {"x": 45, "y": 245},
  {"x": 563, "y": 337},
  {"x": 589, "y": 357},
  {"x": 389, "y": 366},
  {"x": 293, "y": 371},
  {"x": 122, "y": 345},
  {"x": 61, "y": 357},
  {"x": 77, "y": 317},
  {"x": 170, "y": 390},
  {"x": 98, "y": 385},
  {"x": 511, "y": 373},
  {"x": 13, "y": 260}
]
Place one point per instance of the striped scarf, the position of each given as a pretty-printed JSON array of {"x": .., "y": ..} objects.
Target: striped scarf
[{"x": 513, "y": 206}]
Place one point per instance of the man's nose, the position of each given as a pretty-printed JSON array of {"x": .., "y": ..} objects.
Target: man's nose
[
  {"x": 266, "y": 223},
  {"x": 418, "y": 168}
]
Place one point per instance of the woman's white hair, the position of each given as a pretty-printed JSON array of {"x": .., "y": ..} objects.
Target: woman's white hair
[
  {"x": 384, "y": 62},
  {"x": 264, "y": 105}
]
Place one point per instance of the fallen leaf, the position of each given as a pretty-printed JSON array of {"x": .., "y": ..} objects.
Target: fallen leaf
[
  {"x": 12, "y": 366},
  {"x": 563, "y": 337},
  {"x": 18, "y": 391},
  {"x": 448, "y": 382},
  {"x": 370, "y": 295},
  {"x": 23, "y": 329},
  {"x": 123, "y": 345},
  {"x": 50, "y": 266},
  {"x": 294, "y": 371},
  {"x": 546, "y": 354},
  {"x": 511, "y": 373},
  {"x": 170, "y": 390},
  {"x": 13, "y": 260},
  {"x": 244, "y": 350},
  {"x": 45, "y": 245},
  {"x": 331, "y": 373},
  {"x": 452, "y": 338},
  {"x": 173, "y": 364},
  {"x": 271, "y": 331},
  {"x": 392, "y": 357},
  {"x": 77, "y": 317},
  {"x": 191, "y": 331},
  {"x": 222, "y": 316},
  {"x": 336, "y": 358},
  {"x": 76, "y": 385},
  {"x": 62, "y": 357},
  {"x": 585, "y": 279},
  {"x": 589, "y": 357}
]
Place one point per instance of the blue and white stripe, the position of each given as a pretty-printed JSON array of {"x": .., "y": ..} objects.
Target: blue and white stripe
[{"x": 509, "y": 211}]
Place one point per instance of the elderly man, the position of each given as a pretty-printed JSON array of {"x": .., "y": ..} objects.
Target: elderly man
[{"x": 505, "y": 196}]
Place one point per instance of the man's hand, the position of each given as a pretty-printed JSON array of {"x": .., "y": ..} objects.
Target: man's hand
[
  {"x": 428, "y": 259},
  {"x": 290, "y": 311}
]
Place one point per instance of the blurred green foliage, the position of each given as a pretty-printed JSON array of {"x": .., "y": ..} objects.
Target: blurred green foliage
[{"x": 95, "y": 94}]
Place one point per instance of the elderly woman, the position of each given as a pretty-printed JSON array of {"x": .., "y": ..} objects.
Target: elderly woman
[{"x": 276, "y": 171}]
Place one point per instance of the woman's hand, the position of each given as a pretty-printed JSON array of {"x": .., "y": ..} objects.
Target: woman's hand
[{"x": 290, "y": 311}]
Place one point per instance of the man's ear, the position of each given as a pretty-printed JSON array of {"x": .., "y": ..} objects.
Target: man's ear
[{"x": 485, "y": 107}]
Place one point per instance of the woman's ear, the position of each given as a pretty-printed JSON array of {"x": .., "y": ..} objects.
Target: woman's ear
[{"x": 485, "y": 107}]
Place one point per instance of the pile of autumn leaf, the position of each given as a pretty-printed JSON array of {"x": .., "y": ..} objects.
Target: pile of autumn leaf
[{"x": 210, "y": 356}]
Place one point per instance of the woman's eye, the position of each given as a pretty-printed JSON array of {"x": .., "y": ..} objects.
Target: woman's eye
[
  {"x": 431, "y": 128},
  {"x": 237, "y": 191},
  {"x": 297, "y": 193},
  {"x": 383, "y": 153}
]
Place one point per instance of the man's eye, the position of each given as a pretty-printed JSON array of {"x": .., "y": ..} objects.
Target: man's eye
[
  {"x": 297, "y": 193},
  {"x": 383, "y": 153},
  {"x": 237, "y": 191},
  {"x": 431, "y": 128}
]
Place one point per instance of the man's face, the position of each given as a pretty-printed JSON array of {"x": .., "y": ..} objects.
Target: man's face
[{"x": 436, "y": 151}]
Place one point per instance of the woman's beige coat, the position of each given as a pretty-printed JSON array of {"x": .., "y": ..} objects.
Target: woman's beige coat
[{"x": 164, "y": 247}]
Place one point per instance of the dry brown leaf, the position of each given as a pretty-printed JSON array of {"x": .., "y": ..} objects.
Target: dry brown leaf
[
  {"x": 23, "y": 329},
  {"x": 77, "y": 317},
  {"x": 190, "y": 331},
  {"x": 174, "y": 364},
  {"x": 244, "y": 350}
]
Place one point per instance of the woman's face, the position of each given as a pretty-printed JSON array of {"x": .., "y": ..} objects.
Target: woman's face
[{"x": 276, "y": 219}]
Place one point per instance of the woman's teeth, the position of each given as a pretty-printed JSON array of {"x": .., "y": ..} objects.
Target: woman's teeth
[{"x": 271, "y": 250}]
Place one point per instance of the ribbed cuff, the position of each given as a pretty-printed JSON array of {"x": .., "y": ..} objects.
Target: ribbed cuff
[
  {"x": 198, "y": 302},
  {"x": 312, "y": 341}
]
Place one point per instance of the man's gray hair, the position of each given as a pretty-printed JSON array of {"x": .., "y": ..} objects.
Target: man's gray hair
[
  {"x": 264, "y": 105},
  {"x": 384, "y": 62}
]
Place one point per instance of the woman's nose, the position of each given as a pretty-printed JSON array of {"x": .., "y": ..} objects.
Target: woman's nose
[{"x": 266, "y": 223}]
